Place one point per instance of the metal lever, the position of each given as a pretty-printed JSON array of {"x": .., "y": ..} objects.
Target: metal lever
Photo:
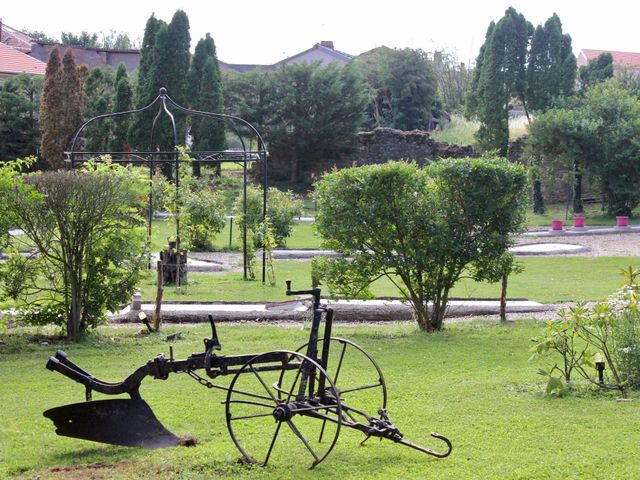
[
  {"x": 314, "y": 291},
  {"x": 213, "y": 342}
]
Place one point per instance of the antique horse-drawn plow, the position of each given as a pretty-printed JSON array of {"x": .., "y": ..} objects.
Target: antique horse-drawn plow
[{"x": 271, "y": 395}]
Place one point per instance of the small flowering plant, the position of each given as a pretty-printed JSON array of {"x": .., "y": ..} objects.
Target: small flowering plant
[{"x": 609, "y": 330}]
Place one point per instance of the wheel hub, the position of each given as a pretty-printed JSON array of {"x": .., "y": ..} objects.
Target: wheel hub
[{"x": 282, "y": 413}]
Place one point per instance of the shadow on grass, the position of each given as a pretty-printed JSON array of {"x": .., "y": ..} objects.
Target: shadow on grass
[{"x": 98, "y": 453}]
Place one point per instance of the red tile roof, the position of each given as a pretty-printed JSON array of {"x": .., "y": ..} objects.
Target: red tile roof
[
  {"x": 620, "y": 59},
  {"x": 13, "y": 62}
]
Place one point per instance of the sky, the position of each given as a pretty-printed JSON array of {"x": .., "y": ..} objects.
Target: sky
[{"x": 264, "y": 32}]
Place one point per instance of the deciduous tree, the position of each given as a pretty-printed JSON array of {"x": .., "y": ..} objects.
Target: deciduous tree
[{"x": 420, "y": 228}]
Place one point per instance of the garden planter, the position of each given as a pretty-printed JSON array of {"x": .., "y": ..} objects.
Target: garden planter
[
  {"x": 622, "y": 221},
  {"x": 578, "y": 222},
  {"x": 556, "y": 224}
]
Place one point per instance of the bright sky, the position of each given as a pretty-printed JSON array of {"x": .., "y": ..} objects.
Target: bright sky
[{"x": 264, "y": 32}]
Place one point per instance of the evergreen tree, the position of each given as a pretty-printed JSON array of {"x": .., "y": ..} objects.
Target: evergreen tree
[
  {"x": 552, "y": 67},
  {"x": 205, "y": 94},
  {"x": 205, "y": 48},
  {"x": 166, "y": 64},
  {"x": 51, "y": 111},
  {"x": 73, "y": 96},
  {"x": 98, "y": 89},
  {"x": 140, "y": 129},
  {"x": 597, "y": 70},
  {"x": 61, "y": 108},
  {"x": 402, "y": 84},
  {"x": 19, "y": 105},
  {"x": 123, "y": 102},
  {"x": 501, "y": 77}
]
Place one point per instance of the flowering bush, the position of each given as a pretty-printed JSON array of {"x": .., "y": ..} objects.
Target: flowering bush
[{"x": 610, "y": 330}]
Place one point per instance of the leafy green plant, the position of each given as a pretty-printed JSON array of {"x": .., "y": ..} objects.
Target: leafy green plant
[
  {"x": 609, "y": 329},
  {"x": 204, "y": 217},
  {"x": 422, "y": 229},
  {"x": 86, "y": 227},
  {"x": 282, "y": 207},
  {"x": 561, "y": 336}
]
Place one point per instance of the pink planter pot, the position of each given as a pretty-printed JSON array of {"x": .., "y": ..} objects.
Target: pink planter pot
[
  {"x": 622, "y": 221},
  {"x": 578, "y": 222},
  {"x": 556, "y": 224}
]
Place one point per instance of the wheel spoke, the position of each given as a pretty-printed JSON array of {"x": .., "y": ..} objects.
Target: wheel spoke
[
  {"x": 263, "y": 384},
  {"x": 252, "y": 395},
  {"x": 335, "y": 377},
  {"x": 254, "y": 415},
  {"x": 293, "y": 386},
  {"x": 273, "y": 442},
  {"x": 246, "y": 402},
  {"x": 364, "y": 387},
  {"x": 295, "y": 430}
]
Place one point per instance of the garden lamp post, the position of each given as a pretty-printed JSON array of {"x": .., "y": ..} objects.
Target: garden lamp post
[{"x": 599, "y": 361}]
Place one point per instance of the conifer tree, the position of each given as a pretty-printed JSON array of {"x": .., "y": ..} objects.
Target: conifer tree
[
  {"x": 52, "y": 147},
  {"x": 551, "y": 70},
  {"x": 166, "y": 64},
  {"x": 140, "y": 129},
  {"x": 597, "y": 70},
  {"x": 61, "y": 108},
  {"x": 122, "y": 102},
  {"x": 98, "y": 90},
  {"x": 205, "y": 94}
]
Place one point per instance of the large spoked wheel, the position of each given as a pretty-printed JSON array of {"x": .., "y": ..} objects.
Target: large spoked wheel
[
  {"x": 297, "y": 415},
  {"x": 357, "y": 377}
]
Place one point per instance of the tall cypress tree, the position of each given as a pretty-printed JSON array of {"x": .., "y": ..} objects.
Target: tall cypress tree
[
  {"x": 74, "y": 98},
  {"x": 551, "y": 70},
  {"x": 205, "y": 94},
  {"x": 61, "y": 108},
  {"x": 123, "y": 102},
  {"x": 98, "y": 90},
  {"x": 501, "y": 77},
  {"x": 140, "y": 129},
  {"x": 52, "y": 147}
]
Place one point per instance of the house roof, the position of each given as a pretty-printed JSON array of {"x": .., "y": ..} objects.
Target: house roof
[
  {"x": 325, "y": 47},
  {"x": 14, "y": 62},
  {"x": 620, "y": 59},
  {"x": 15, "y": 38},
  {"x": 327, "y": 54}
]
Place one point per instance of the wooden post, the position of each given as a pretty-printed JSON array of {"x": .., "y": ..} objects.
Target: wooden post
[{"x": 159, "y": 292}]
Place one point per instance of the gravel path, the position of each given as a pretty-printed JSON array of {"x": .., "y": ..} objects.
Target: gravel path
[{"x": 611, "y": 245}]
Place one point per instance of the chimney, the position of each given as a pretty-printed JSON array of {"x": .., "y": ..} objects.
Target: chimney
[{"x": 327, "y": 44}]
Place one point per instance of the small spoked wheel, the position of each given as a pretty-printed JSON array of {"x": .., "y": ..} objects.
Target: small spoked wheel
[
  {"x": 297, "y": 415},
  {"x": 357, "y": 377}
]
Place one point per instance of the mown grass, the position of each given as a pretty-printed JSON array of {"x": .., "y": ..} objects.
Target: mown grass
[
  {"x": 303, "y": 236},
  {"x": 544, "y": 279},
  {"x": 471, "y": 382}
]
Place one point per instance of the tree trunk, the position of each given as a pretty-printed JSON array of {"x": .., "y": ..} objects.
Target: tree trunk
[
  {"x": 74, "y": 330},
  {"x": 538, "y": 199},
  {"x": 578, "y": 207},
  {"x": 503, "y": 299}
]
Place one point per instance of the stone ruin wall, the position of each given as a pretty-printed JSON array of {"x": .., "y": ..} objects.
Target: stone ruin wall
[{"x": 384, "y": 144}]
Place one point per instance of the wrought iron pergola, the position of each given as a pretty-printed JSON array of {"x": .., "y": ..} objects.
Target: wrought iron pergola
[{"x": 156, "y": 157}]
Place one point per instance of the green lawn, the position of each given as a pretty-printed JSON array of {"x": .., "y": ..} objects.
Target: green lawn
[
  {"x": 544, "y": 279},
  {"x": 303, "y": 236},
  {"x": 471, "y": 382}
]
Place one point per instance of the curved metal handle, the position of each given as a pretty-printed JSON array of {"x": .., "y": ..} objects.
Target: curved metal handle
[{"x": 428, "y": 450}]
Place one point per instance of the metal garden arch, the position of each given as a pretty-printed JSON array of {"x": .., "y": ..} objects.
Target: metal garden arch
[{"x": 245, "y": 132}]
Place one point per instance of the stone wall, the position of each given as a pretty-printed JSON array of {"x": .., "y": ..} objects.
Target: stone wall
[{"x": 384, "y": 144}]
